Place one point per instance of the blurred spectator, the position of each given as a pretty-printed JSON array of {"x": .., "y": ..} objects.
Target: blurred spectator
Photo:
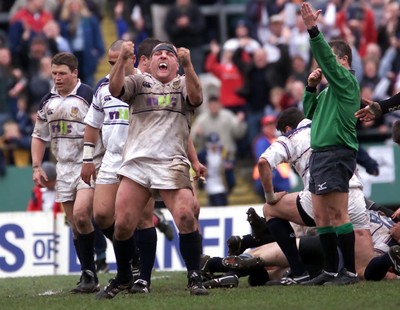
[
  {"x": 16, "y": 145},
  {"x": 159, "y": 10},
  {"x": 27, "y": 22},
  {"x": 242, "y": 39},
  {"x": 359, "y": 18},
  {"x": 373, "y": 52},
  {"x": 185, "y": 26},
  {"x": 52, "y": 32},
  {"x": 299, "y": 69},
  {"x": 280, "y": 176},
  {"x": 43, "y": 198},
  {"x": 49, "y": 5},
  {"x": 260, "y": 76},
  {"x": 28, "y": 59},
  {"x": 213, "y": 156},
  {"x": 229, "y": 75},
  {"x": 299, "y": 44},
  {"x": 134, "y": 30},
  {"x": 92, "y": 5},
  {"x": 295, "y": 92},
  {"x": 257, "y": 16},
  {"x": 276, "y": 98},
  {"x": 82, "y": 29},
  {"x": 40, "y": 83},
  {"x": 278, "y": 34},
  {"x": 370, "y": 76},
  {"x": 12, "y": 84},
  {"x": 225, "y": 123},
  {"x": 389, "y": 26}
]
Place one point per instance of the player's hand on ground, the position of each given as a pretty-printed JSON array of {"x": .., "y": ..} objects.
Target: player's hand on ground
[
  {"x": 184, "y": 56},
  {"x": 370, "y": 112},
  {"x": 314, "y": 78},
  {"x": 88, "y": 171}
]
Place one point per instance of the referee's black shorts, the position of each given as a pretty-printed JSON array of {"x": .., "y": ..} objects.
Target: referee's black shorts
[{"x": 331, "y": 168}]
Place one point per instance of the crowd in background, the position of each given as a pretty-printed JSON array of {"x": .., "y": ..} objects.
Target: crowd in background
[{"x": 261, "y": 69}]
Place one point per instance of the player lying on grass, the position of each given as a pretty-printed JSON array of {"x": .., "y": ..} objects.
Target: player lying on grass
[{"x": 265, "y": 264}]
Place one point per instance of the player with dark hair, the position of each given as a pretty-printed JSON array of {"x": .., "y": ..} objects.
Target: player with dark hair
[
  {"x": 60, "y": 120},
  {"x": 294, "y": 147},
  {"x": 334, "y": 147},
  {"x": 157, "y": 101}
]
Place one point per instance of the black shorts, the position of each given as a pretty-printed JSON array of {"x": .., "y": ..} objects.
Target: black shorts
[{"x": 331, "y": 169}]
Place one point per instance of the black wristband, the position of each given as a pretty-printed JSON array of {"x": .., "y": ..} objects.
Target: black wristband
[
  {"x": 313, "y": 31},
  {"x": 311, "y": 89},
  {"x": 390, "y": 104}
]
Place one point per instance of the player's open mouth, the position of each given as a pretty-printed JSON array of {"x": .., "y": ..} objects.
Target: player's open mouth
[{"x": 162, "y": 66}]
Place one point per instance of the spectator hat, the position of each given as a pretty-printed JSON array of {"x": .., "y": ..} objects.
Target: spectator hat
[
  {"x": 50, "y": 169},
  {"x": 213, "y": 138},
  {"x": 268, "y": 119}
]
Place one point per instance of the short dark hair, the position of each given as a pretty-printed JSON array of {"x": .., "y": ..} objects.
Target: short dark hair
[
  {"x": 289, "y": 117},
  {"x": 146, "y": 47},
  {"x": 341, "y": 49},
  {"x": 67, "y": 59},
  {"x": 116, "y": 45}
]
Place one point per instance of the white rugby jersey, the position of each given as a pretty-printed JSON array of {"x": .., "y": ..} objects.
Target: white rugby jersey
[
  {"x": 380, "y": 230},
  {"x": 111, "y": 115},
  {"x": 295, "y": 148},
  {"x": 60, "y": 120},
  {"x": 160, "y": 118}
]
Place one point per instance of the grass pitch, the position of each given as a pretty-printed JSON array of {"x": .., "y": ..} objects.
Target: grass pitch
[{"x": 168, "y": 292}]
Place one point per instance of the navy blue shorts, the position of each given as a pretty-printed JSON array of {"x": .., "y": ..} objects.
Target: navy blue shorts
[{"x": 331, "y": 169}]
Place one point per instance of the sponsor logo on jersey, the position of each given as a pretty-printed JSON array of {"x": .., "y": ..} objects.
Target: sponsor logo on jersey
[
  {"x": 146, "y": 84},
  {"x": 49, "y": 112},
  {"x": 74, "y": 112},
  {"x": 107, "y": 98},
  {"x": 62, "y": 127},
  {"x": 176, "y": 84},
  {"x": 162, "y": 101},
  {"x": 119, "y": 114}
]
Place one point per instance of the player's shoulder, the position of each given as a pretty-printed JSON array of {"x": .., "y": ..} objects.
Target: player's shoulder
[
  {"x": 85, "y": 92},
  {"x": 104, "y": 82},
  {"x": 45, "y": 99}
]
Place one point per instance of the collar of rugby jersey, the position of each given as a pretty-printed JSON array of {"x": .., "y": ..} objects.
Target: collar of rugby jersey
[
  {"x": 303, "y": 123},
  {"x": 73, "y": 92}
]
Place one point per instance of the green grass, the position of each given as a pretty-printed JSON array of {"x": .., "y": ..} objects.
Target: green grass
[{"x": 168, "y": 292}]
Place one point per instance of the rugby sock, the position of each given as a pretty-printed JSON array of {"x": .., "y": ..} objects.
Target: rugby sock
[
  {"x": 123, "y": 254},
  {"x": 100, "y": 244},
  {"x": 146, "y": 240},
  {"x": 311, "y": 254},
  {"x": 377, "y": 268},
  {"x": 214, "y": 264},
  {"x": 77, "y": 250},
  {"x": 190, "y": 247},
  {"x": 286, "y": 239},
  {"x": 328, "y": 238},
  {"x": 346, "y": 238},
  {"x": 249, "y": 242},
  {"x": 258, "y": 277},
  {"x": 86, "y": 246},
  {"x": 109, "y": 232}
]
